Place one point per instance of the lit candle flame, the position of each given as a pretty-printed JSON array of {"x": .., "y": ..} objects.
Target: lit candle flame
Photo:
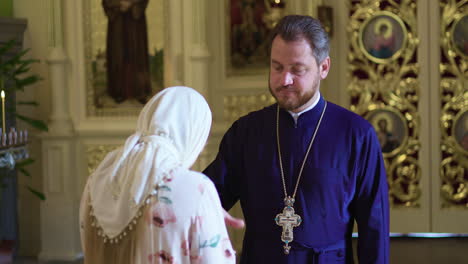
[{"x": 2, "y": 94}]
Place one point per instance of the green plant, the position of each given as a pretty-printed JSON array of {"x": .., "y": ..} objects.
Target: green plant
[{"x": 15, "y": 70}]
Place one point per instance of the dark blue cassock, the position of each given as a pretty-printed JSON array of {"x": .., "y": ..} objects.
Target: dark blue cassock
[{"x": 343, "y": 180}]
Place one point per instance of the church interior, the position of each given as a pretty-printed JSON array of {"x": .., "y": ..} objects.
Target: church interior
[{"x": 401, "y": 64}]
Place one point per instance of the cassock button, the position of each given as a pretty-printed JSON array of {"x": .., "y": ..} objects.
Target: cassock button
[{"x": 339, "y": 253}]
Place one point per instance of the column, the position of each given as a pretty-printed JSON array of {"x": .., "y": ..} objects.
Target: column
[
  {"x": 59, "y": 213},
  {"x": 198, "y": 55}
]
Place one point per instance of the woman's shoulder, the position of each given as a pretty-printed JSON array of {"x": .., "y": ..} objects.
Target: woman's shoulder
[
  {"x": 193, "y": 183},
  {"x": 190, "y": 176},
  {"x": 187, "y": 192}
]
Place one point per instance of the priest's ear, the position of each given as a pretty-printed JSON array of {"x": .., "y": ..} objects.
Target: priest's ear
[{"x": 324, "y": 68}]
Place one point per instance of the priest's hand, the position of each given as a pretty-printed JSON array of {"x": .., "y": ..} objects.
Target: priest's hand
[{"x": 232, "y": 221}]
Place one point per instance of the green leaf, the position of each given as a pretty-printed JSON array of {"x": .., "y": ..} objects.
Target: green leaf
[
  {"x": 39, "y": 124},
  {"x": 21, "y": 164},
  {"x": 7, "y": 46},
  {"x": 21, "y": 69},
  {"x": 20, "y": 83},
  {"x": 27, "y": 62},
  {"x": 23, "y": 66},
  {"x": 25, "y": 172},
  {"x": 37, "y": 193},
  {"x": 24, "y": 163},
  {"x": 165, "y": 200},
  {"x": 16, "y": 59},
  {"x": 164, "y": 188},
  {"x": 214, "y": 241}
]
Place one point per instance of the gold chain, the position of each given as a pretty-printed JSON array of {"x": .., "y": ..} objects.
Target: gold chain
[{"x": 307, "y": 153}]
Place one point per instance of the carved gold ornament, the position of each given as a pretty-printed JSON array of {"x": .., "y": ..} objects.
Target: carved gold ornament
[
  {"x": 236, "y": 106},
  {"x": 96, "y": 153},
  {"x": 384, "y": 87},
  {"x": 454, "y": 103}
]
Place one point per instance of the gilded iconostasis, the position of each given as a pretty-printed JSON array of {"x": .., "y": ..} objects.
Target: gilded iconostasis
[
  {"x": 384, "y": 88},
  {"x": 454, "y": 103}
]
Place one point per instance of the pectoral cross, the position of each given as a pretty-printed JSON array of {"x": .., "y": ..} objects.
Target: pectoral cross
[{"x": 288, "y": 220}]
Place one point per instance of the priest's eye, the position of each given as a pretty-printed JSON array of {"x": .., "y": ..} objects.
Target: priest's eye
[
  {"x": 276, "y": 67},
  {"x": 299, "y": 71}
]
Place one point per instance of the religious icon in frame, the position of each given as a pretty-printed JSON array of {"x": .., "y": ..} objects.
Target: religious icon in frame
[
  {"x": 105, "y": 96},
  {"x": 248, "y": 36},
  {"x": 391, "y": 129},
  {"x": 460, "y": 36},
  {"x": 460, "y": 131},
  {"x": 382, "y": 37}
]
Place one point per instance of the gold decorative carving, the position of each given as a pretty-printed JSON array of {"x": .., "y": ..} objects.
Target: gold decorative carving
[
  {"x": 404, "y": 175},
  {"x": 384, "y": 87},
  {"x": 236, "y": 106},
  {"x": 454, "y": 103},
  {"x": 96, "y": 153}
]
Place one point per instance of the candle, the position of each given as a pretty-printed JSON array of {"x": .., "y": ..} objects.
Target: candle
[
  {"x": 3, "y": 110},
  {"x": 277, "y": 3},
  {"x": 10, "y": 138},
  {"x": 15, "y": 135}
]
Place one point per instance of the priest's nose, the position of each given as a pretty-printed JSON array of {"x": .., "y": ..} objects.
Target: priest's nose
[{"x": 286, "y": 78}]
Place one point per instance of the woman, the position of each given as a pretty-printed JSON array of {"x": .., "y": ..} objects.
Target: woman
[{"x": 143, "y": 204}]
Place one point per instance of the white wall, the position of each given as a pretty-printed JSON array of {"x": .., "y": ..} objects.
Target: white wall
[{"x": 35, "y": 38}]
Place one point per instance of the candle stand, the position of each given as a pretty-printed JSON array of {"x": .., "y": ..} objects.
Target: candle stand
[{"x": 13, "y": 148}]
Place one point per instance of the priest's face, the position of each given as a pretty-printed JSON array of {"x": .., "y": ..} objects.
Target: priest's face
[{"x": 294, "y": 73}]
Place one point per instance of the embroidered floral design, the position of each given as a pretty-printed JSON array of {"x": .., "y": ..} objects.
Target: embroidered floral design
[
  {"x": 161, "y": 198},
  {"x": 227, "y": 248},
  {"x": 185, "y": 247},
  {"x": 162, "y": 256},
  {"x": 212, "y": 242},
  {"x": 168, "y": 178},
  {"x": 161, "y": 215},
  {"x": 198, "y": 223},
  {"x": 195, "y": 259},
  {"x": 165, "y": 200},
  {"x": 164, "y": 188},
  {"x": 201, "y": 188}
]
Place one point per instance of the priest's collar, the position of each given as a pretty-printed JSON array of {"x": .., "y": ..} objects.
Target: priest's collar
[{"x": 295, "y": 116}]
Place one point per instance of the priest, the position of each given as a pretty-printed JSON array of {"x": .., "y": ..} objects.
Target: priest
[{"x": 304, "y": 169}]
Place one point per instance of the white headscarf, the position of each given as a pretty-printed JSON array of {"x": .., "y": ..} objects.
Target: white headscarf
[{"x": 171, "y": 132}]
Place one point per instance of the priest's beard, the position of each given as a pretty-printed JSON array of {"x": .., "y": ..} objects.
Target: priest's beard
[{"x": 297, "y": 100}]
